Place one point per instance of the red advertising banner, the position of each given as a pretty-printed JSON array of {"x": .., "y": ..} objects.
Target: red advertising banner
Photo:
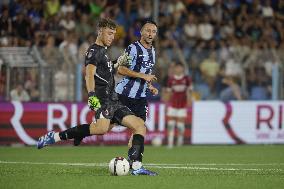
[{"x": 25, "y": 122}]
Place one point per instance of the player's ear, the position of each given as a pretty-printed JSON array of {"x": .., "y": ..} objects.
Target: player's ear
[{"x": 141, "y": 31}]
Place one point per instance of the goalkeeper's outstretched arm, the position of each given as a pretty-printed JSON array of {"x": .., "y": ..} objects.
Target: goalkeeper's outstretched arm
[{"x": 89, "y": 77}]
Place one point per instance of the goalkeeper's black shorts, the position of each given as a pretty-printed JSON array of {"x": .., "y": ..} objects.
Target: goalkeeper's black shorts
[{"x": 113, "y": 110}]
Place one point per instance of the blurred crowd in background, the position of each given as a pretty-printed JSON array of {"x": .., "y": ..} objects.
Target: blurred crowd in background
[{"x": 229, "y": 47}]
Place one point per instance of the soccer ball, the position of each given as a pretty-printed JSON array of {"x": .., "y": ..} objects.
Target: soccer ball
[{"x": 119, "y": 166}]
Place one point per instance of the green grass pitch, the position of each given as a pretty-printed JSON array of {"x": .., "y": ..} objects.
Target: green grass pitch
[{"x": 255, "y": 166}]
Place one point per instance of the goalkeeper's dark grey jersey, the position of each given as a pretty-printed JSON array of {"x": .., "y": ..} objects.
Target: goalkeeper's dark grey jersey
[
  {"x": 111, "y": 107},
  {"x": 104, "y": 77}
]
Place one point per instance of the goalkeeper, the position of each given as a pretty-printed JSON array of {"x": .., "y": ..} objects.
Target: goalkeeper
[{"x": 102, "y": 98}]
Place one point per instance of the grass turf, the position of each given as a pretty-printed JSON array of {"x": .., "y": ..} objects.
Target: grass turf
[{"x": 255, "y": 166}]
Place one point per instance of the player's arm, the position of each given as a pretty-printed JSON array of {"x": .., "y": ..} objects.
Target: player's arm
[
  {"x": 189, "y": 96},
  {"x": 126, "y": 71},
  {"x": 189, "y": 92},
  {"x": 167, "y": 92},
  {"x": 152, "y": 89},
  {"x": 91, "y": 61},
  {"x": 130, "y": 73},
  {"x": 90, "y": 80}
]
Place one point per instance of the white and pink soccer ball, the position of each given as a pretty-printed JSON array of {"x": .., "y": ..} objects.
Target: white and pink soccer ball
[{"x": 119, "y": 166}]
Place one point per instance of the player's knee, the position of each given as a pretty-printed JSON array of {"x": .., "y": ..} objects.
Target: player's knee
[
  {"x": 171, "y": 125},
  {"x": 181, "y": 127},
  {"x": 139, "y": 127}
]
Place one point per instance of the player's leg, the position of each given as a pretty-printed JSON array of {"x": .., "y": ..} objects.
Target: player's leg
[
  {"x": 128, "y": 103},
  {"x": 135, "y": 152},
  {"x": 171, "y": 126},
  {"x": 101, "y": 127},
  {"x": 131, "y": 137},
  {"x": 103, "y": 117},
  {"x": 125, "y": 117},
  {"x": 138, "y": 106},
  {"x": 181, "y": 126},
  {"x": 77, "y": 133},
  {"x": 139, "y": 130},
  {"x": 130, "y": 141},
  {"x": 171, "y": 131}
]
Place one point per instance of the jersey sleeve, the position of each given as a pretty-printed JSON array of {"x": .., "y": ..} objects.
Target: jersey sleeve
[
  {"x": 91, "y": 57},
  {"x": 189, "y": 83},
  {"x": 132, "y": 52}
]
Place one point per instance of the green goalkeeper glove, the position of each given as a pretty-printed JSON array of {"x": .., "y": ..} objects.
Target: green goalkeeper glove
[
  {"x": 93, "y": 101},
  {"x": 123, "y": 60}
]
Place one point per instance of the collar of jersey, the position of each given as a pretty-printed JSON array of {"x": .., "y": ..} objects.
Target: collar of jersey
[
  {"x": 100, "y": 46},
  {"x": 178, "y": 77},
  {"x": 145, "y": 47}
]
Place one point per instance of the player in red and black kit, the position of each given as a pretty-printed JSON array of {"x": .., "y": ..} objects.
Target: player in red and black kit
[{"x": 179, "y": 87}]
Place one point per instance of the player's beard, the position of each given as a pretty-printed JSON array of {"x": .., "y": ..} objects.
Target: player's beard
[
  {"x": 148, "y": 41},
  {"x": 107, "y": 43}
]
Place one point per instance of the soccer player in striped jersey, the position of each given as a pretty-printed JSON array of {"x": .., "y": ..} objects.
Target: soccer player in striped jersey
[{"x": 133, "y": 88}]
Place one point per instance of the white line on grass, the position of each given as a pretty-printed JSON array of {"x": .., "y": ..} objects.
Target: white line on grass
[
  {"x": 217, "y": 164},
  {"x": 158, "y": 166},
  {"x": 214, "y": 168},
  {"x": 64, "y": 164}
]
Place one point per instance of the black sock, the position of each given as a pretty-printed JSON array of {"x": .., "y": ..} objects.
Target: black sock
[
  {"x": 78, "y": 132},
  {"x": 135, "y": 153}
]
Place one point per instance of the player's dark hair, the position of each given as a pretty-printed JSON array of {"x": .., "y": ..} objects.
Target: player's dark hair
[
  {"x": 149, "y": 22},
  {"x": 106, "y": 23},
  {"x": 179, "y": 64}
]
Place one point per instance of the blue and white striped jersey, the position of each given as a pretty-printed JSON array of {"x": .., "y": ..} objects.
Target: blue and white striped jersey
[{"x": 143, "y": 61}]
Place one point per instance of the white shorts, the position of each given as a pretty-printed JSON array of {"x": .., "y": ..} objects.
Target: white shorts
[{"x": 176, "y": 112}]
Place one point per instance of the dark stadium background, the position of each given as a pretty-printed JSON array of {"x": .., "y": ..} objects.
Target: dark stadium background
[{"x": 228, "y": 47}]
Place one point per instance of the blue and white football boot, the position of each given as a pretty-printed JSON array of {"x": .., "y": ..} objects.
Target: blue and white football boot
[
  {"x": 143, "y": 171},
  {"x": 46, "y": 140},
  {"x": 138, "y": 169}
]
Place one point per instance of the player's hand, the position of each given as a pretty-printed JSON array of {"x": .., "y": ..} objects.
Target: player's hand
[
  {"x": 153, "y": 90},
  {"x": 149, "y": 77},
  {"x": 93, "y": 101},
  {"x": 124, "y": 60}
]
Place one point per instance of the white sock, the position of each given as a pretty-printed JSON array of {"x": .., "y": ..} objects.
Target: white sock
[
  {"x": 136, "y": 165},
  {"x": 171, "y": 133},
  {"x": 180, "y": 126},
  {"x": 56, "y": 137}
]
